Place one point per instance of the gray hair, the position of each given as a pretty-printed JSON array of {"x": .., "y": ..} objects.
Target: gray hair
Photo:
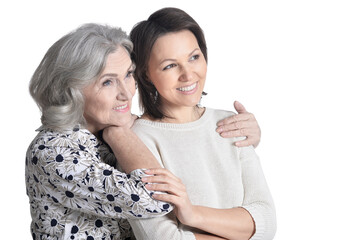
[{"x": 70, "y": 64}]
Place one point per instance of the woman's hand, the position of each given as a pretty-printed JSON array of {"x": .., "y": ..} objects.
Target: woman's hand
[
  {"x": 131, "y": 122},
  {"x": 240, "y": 125},
  {"x": 232, "y": 223},
  {"x": 174, "y": 192},
  {"x": 112, "y": 134},
  {"x": 129, "y": 150}
]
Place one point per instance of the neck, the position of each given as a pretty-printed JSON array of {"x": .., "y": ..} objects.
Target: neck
[
  {"x": 183, "y": 114},
  {"x": 93, "y": 129},
  {"x": 178, "y": 115}
]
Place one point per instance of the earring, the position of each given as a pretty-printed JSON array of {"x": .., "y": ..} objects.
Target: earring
[
  {"x": 153, "y": 93},
  {"x": 155, "y": 96}
]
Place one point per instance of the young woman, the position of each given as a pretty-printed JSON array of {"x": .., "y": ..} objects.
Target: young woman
[{"x": 225, "y": 193}]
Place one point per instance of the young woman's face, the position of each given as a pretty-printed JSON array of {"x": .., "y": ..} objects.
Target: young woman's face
[
  {"x": 108, "y": 100},
  {"x": 178, "y": 69}
]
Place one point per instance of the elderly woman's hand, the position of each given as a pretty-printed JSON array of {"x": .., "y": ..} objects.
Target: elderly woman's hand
[
  {"x": 174, "y": 190},
  {"x": 134, "y": 117},
  {"x": 113, "y": 134},
  {"x": 243, "y": 124}
]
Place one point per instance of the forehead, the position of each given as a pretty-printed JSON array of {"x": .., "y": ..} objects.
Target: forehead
[
  {"x": 175, "y": 43},
  {"x": 118, "y": 61}
]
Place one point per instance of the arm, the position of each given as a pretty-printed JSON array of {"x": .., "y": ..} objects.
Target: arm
[
  {"x": 177, "y": 194},
  {"x": 166, "y": 227},
  {"x": 207, "y": 237},
  {"x": 73, "y": 176},
  {"x": 130, "y": 152},
  {"x": 257, "y": 197},
  {"x": 256, "y": 216},
  {"x": 134, "y": 154},
  {"x": 234, "y": 223},
  {"x": 239, "y": 125}
]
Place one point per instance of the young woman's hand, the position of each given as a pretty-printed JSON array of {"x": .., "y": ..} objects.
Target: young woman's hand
[
  {"x": 243, "y": 124},
  {"x": 174, "y": 192}
]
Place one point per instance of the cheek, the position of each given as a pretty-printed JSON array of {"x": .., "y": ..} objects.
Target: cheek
[
  {"x": 203, "y": 68},
  {"x": 165, "y": 81},
  {"x": 92, "y": 107},
  {"x": 91, "y": 102},
  {"x": 88, "y": 103},
  {"x": 97, "y": 103},
  {"x": 131, "y": 87},
  {"x": 162, "y": 87}
]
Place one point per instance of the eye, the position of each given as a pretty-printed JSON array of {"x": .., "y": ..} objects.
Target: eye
[
  {"x": 195, "y": 57},
  {"x": 107, "y": 82},
  {"x": 129, "y": 74},
  {"x": 169, "y": 66}
]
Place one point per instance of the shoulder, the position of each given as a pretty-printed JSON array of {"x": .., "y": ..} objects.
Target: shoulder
[
  {"x": 77, "y": 138},
  {"x": 78, "y": 141},
  {"x": 148, "y": 132},
  {"x": 145, "y": 127},
  {"x": 218, "y": 114}
]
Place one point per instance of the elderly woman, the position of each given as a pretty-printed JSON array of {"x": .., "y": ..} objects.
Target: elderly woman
[
  {"x": 84, "y": 84},
  {"x": 84, "y": 88},
  {"x": 226, "y": 193}
]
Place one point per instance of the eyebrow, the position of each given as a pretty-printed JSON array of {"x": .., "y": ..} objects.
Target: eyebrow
[
  {"x": 170, "y": 59},
  {"x": 132, "y": 65},
  {"x": 108, "y": 75}
]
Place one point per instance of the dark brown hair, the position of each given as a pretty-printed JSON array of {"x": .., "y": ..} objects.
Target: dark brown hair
[{"x": 143, "y": 36}]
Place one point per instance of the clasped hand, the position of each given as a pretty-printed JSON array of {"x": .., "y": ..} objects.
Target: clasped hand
[{"x": 164, "y": 181}]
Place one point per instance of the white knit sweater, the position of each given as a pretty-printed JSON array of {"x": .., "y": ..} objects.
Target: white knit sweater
[{"x": 216, "y": 173}]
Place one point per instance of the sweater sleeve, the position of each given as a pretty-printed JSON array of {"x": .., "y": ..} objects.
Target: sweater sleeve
[
  {"x": 257, "y": 197},
  {"x": 165, "y": 227}
]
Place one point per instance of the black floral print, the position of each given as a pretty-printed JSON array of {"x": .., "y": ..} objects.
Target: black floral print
[{"x": 75, "y": 191}]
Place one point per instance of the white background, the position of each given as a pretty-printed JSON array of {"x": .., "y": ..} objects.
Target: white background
[{"x": 295, "y": 64}]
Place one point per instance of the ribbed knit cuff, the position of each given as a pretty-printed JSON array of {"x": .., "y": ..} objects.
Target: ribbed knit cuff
[
  {"x": 259, "y": 222},
  {"x": 189, "y": 235}
]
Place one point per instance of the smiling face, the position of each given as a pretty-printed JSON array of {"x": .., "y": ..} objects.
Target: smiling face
[
  {"x": 177, "y": 68},
  {"x": 108, "y": 100}
]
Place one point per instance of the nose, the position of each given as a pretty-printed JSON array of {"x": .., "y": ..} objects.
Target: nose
[
  {"x": 187, "y": 74},
  {"x": 124, "y": 93}
]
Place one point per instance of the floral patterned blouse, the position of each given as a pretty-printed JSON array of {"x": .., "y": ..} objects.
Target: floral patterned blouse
[{"x": 76, "y": 193}]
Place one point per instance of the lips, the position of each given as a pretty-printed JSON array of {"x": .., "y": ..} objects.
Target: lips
[
  {"x": 122, "y": 108},
  {"x": 188, "y": 88}
]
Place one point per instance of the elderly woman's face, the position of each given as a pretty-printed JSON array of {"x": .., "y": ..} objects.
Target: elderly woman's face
[{"x": 108, "y": 100}]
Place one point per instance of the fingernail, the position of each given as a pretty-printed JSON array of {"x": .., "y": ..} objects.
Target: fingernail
[
  {"x": 224, "y": 134},
  {"x": 219, "y": 130}
]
